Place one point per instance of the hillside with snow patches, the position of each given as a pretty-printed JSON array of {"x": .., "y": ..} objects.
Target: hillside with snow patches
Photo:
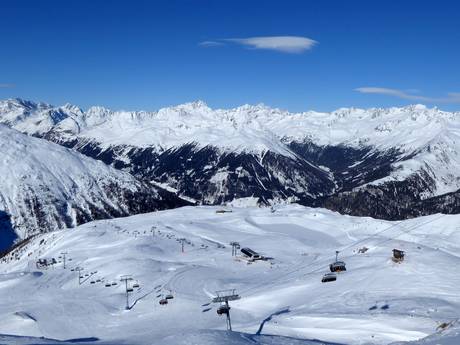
[
  {"x": 283, "y": 301},
  {"x": 344, "y": 160},
  {"x": 45, "y": 187}
]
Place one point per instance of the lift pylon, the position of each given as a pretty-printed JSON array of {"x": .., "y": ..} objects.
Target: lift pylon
[
  {"x": 78, "y": 270},
  {"x": 126, "y": 278},
  {"x": 223, "y": 297},
  {"x": 235, "y": 247},
  {"x": 64, "y": 258}
]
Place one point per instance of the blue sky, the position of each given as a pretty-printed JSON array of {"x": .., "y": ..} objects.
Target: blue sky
[{"x": 149, "y": 54}]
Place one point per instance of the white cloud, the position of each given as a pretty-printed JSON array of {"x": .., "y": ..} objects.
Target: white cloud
[
  {"x": 452, "y": 97},
  {"x": 210, "y": 44},
  {"x": 284, "y": 44}
]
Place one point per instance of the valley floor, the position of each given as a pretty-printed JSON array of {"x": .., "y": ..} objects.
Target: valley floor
[{"x": 376, "y": 301}]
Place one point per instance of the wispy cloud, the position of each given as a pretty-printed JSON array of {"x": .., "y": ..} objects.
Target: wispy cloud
[
  {"x": 210, "y": 44},
  {"x": 6, "y": 86},
  {"x": 284, "y": 44},
  {"x": 451, "y": 97}
]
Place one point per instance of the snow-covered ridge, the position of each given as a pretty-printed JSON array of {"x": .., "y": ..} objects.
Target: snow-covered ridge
[
  {"x": 248, "y": 127},
  {"x": 46, "y": 187}
]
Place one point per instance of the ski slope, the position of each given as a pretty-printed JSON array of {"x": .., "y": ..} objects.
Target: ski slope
[{"x": 375, "y": 302}]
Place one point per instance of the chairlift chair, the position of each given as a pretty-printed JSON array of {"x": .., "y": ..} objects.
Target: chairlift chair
[
  {"x": 223, "y": 309},
  {"x": 129, "y": 289},
  {"x": 163, "y": 301},
  {"x": 169, "y": 296},
  {"x": 329, "y": 277},
  {"x": 337, "y": 266}
]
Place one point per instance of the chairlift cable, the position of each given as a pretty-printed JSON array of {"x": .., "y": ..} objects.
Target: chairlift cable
[{"x": 408, "y": 230}]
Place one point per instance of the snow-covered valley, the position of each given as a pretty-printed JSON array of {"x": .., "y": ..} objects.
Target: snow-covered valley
[{"x": 376, "y": 301}]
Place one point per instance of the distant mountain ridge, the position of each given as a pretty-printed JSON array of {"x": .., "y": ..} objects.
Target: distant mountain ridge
[{"x": 385, "y": 163}]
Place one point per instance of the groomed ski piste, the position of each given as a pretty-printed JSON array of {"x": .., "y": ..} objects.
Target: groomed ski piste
[{"x": 283, "y": 301}]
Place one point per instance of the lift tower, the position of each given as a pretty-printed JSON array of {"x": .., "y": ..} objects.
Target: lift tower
[
  {"x": 64, "y": 257},
  {"x": 223, "y": 297},
  {"x": 78, "y": 270},
  {"x": 235, "y": 247},
  {"x": 127, "y": 278}
]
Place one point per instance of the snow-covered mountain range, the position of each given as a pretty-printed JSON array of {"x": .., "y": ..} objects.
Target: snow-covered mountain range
[
  {"x": 386, "y": 163},
  {"x": 46, "y": 187}
]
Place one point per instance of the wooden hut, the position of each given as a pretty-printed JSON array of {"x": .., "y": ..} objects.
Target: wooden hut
[{"x": 398, "y": 255}]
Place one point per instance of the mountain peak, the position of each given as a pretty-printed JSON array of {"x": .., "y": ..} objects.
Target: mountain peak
[
  {"x": 195, "y": 105},
  {"x": 72, "y": 108}
]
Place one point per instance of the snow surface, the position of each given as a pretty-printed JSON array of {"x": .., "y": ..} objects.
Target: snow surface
[{"x": 375, "y": 302}]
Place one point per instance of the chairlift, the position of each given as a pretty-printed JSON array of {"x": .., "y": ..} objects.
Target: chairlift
[
  {"x": 136, "y": 285},
  {"x": 108, "y": 285},
  {"x": 223, "y": 309},
  {"x": 129, "y": 289},
  {"x": 329, "y": 277},
  {"x": 163, "y": 301},
  {"x": 92, "y": 282},
  {"x": 337, "y": 266},
  {"x": 114, "y": 283},
  {"x": 169, "y": 296}
]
